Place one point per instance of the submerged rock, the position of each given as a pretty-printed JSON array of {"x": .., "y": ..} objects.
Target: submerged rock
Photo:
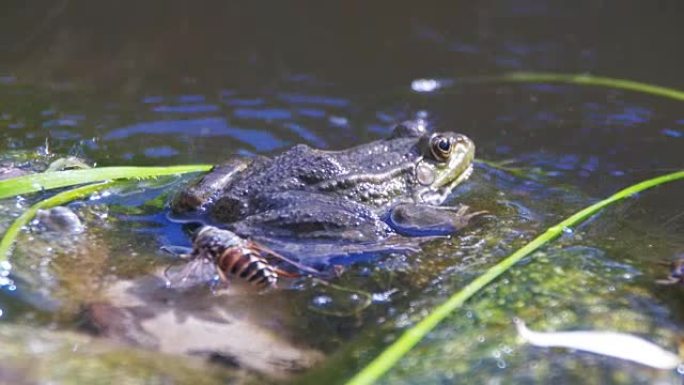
[
  {"x": 60, "y": 219},
  {"x": 35, "y": 356},
  {"x": 229, "y": 327}
]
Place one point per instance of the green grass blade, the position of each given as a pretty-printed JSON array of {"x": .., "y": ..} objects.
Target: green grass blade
[
  {"x": 393, "y": 353},
  {"x": 66, "y": 196},
  {"x": 50, "y": 180},
  {"x": 581, "y": 79}
]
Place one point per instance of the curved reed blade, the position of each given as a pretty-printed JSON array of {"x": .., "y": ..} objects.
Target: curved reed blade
[
  {"x": 64, "y": 197},
  {"x": 398, "y": 349},
  {"x": 55, "y": 179}
]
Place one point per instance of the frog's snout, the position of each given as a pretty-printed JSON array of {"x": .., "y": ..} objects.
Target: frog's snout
[
  {"x": 467, "y": 147},
  {"x": 463, "y": 140}
]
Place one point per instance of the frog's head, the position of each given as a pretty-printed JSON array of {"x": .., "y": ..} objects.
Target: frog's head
[{"x": 447, "y": 159}]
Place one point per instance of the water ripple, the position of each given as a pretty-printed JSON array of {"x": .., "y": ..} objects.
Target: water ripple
[
  {"x": 262, "y": 113},
  {"x": 314, "y": 99},
  {"x": 205, "y": 127},
  {"x": 187, "y": 109}
]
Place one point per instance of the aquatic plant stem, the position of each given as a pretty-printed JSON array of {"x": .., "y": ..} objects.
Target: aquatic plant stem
[
  {"x": 56, "y": 179},
  {"x": 582, "y": 79},
  {"x": 393, "y": 353},
  {"x": 66, "y": 196}
]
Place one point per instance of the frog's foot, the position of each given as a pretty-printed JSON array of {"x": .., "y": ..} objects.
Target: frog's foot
[
  {"x": 207, "y": 187},
  {"x": 427, "y": 220}
]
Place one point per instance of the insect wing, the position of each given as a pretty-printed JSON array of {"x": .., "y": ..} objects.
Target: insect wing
[
  {"x": 197, "y": 271},
  {"x": 263, "y": 250}
]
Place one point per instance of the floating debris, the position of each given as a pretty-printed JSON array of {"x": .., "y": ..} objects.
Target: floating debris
[
  {"x": 618, "y": 345},
  {"x": 425, "y": 85}
]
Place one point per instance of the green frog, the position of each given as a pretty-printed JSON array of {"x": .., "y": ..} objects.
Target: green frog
[{"x": 312, "y": 205}]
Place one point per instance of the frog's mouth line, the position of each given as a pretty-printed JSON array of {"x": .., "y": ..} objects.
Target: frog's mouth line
[
  {"x": 446, "y": 190},
  {"x": 461, "y": 178}
]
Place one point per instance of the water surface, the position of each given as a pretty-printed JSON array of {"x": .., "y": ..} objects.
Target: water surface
[{"x": 171, "y": 83}]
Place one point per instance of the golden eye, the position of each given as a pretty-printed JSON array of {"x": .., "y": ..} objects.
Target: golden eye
[{"x": 440, "y": 147}]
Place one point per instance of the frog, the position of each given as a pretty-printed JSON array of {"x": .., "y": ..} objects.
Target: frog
[{"x": 316, "y": 206}]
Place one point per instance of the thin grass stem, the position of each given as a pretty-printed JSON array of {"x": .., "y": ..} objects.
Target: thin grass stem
[
  {"x": 12, "y": 231},
  {"x": 398, "y": 349}
]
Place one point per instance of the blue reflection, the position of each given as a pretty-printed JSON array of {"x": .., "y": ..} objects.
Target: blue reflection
[
  {"x": 311, "y": 112},
  {"x": 567, "y": 162},
  {"x": 260, "y": 140},
  {"x": 672, "y": 133},
  {"x": 591, "y": 164},
  {"x": 152, "y": 99},
  {"x": 206, "y": 127},
  {"x": 314, "y": 99},
  {"x": 187, "y": 109},
  {"x": 508, "y": 62},
  {"x": 158, "y": 225},
  {"x": 502, "y": 149},
  {"x": 549, "y": 88},
  {"x": 238, "y": 102},
  {"x": 631, "y": 116},
  {"x": 306, "y": 134},
  {"x": 190, "y": 99},
  {"x": 262, "y": 113},
  {"x": 64, "y": 135},
  {"x": 339, "y": 121},
  {"x": 160, "y": 152},
  {"x": 378, "y": 129},
  {"x": 63, "y": 122},
  {"x": 385, "y": 117}
]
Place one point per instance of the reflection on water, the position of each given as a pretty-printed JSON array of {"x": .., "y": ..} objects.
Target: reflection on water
[{"x": 123, "y": 83}]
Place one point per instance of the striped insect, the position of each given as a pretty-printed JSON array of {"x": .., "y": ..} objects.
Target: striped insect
[{"x": 223, "y": 253}]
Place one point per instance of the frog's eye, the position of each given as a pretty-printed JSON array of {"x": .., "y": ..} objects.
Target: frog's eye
[{"x": 440, "y": 147}]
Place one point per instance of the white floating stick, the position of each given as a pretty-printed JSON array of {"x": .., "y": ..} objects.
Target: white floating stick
[{"x": 618, "y": 345}]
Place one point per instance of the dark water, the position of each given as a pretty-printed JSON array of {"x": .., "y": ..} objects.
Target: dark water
[{"x": 165, "y": 83}]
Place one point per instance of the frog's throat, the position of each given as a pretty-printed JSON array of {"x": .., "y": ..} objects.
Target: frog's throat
[{"x": 438, "y": 195}]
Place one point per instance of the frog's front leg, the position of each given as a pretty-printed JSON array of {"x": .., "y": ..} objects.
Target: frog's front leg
[
  {"x": 208, "y": 186},
  {"x": 428, "y": 220}
]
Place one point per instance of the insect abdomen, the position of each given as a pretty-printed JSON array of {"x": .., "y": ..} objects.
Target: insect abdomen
[{"x": 247, "y": 265}]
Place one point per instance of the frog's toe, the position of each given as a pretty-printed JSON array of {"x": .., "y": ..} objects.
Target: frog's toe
[
  {"x": 465, "y": 216},
  {"x": 427, "y": 220}
]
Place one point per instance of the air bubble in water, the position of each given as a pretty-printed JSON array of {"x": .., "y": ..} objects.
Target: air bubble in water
[
  {"x": 322, "y": 300},
  {"x": 425, "y": 85}
]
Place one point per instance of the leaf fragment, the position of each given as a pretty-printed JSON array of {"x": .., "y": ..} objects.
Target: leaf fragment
[{"x": 618, "y": 345}]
